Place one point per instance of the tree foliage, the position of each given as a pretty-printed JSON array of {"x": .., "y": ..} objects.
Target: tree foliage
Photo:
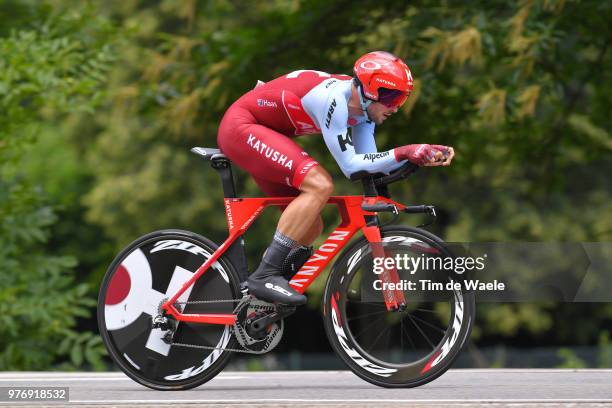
[
  {"x": 48, "y": 70},
  {"x": 520, "y": 89}
]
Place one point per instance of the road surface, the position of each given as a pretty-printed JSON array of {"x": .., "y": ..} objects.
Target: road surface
[{"x": 460, "y": 388}]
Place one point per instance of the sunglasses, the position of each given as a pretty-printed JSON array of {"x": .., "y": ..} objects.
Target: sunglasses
[{"x": 392, "y": 98}]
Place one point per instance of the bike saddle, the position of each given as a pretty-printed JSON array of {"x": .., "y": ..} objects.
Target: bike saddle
[{"x": 209, "y": 153}]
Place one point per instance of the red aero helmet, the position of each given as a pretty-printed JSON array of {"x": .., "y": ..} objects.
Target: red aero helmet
[{"x": 384, "y": 78}]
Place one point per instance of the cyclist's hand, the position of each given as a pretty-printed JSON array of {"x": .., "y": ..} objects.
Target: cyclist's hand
[
  {"x": 447, "y": 155},
  {"x": 420, "y": 154}
]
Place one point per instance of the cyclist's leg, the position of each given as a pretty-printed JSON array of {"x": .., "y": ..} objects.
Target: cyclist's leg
[
  {"x": 299, "y": 255},
  {"x": 315, "y": 230},
  {"x": 299, "y": 223},
  {"x": 275, "y": 158},
  {"x": 300, "y": 219},
  {"x": 281, "y": 190}
]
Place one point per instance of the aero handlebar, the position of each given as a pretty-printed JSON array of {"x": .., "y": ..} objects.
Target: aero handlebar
[{"x": 396, "y": 175}]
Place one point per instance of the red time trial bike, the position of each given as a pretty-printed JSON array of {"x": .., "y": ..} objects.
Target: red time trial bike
[{"x": 173, "y": 306}]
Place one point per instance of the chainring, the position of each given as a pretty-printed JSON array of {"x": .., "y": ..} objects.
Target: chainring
[{"x": 248, "y": 308}]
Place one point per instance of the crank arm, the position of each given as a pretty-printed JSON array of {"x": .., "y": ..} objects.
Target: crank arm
[{"x": 265, "y": 321}]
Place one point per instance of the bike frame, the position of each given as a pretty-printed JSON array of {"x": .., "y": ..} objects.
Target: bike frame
[{"x": 242, "y": 212}]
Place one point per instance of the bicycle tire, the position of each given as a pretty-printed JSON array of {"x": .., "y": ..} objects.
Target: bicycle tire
[
  {"x": 150, "y": 264},
  {"x": 372, "y": 368}
]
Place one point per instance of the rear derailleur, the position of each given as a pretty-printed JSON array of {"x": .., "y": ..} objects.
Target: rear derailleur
[{"x": 165, "y": 323}]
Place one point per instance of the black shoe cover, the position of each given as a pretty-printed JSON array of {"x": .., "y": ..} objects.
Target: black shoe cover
[
  {"x": 266, "y": 283},
  {"x": 295, "y": 260}
]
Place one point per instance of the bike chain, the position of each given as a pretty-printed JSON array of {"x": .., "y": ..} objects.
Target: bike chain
[
  {"x": 193, "y": 302},
  {"x": 237, "y": 326}
]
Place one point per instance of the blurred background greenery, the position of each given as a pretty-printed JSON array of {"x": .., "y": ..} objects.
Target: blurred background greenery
[{"x": 101, "y": 101}]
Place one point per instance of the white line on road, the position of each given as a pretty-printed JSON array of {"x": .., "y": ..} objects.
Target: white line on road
[
  {"x": 377, "y": 400},
  {"x": 69, "y": 379},
  {"x": 36, "y": 374}
]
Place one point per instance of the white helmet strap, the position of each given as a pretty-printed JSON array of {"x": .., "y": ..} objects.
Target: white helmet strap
[{"x": 363, "y": 101}]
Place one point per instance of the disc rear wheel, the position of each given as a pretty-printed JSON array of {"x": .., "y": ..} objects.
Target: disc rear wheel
[{"x": 140, "y": 279}]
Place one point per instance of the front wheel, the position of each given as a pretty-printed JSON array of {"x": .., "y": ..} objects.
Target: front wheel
[
  {"x": 140, "y": 279},
  {"x": 394, "y": 348}
]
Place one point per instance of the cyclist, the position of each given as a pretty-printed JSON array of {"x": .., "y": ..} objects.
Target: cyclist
[{"x": 257, "y": 134}]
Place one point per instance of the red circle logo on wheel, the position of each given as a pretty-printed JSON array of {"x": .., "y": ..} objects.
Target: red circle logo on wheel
[{"x": 119, "y": 286}]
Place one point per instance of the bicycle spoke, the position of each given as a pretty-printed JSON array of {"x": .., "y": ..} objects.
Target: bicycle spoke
[
  {"x": 418, "y": 309},
  {"x": 409, "y": 338},
  {"x": 421, "y": 324},
  {"x": 421, "y": 331},
  {"x": 379, "y": 304},
  {"x": 430, "y": 325},
  {"x": 401, "y": 335},
  {"x": 367, "y": 327},
  {"x": 378, "y": 338},
  {"x": 365, "y": 315}
]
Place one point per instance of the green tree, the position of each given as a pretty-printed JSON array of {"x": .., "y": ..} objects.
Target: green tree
[
  {"x": 521, "y": 90},
  {"x": 55, "y": 66}
]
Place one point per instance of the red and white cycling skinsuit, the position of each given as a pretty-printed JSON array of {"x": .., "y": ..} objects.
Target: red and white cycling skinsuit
[{"x": 256, "y": 131}]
